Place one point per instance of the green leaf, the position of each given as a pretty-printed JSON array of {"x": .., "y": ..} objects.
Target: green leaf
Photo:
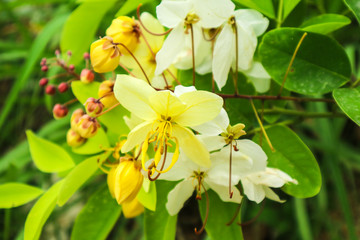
[
  {"x": 97, "y": 218},
  {"x": 325, "y": 23},
  {"x": 354, "y": 6},
  {"x": 40, "y": 212},
  {"x": 348, "y": 100},
  {"x": 48, "y": 156},
  {"x": 34, "y": 54},
  {"x": 294, "y": 158},
  {"x": 159, "y": 225},
  {"x": 78, "y": 176},
  {"x": 130, "y": 6},
  {"x": 80, "y": 28},
  {"x": 17, "y": 194},
  {"x": 289, "y": 5},
  {"x": 83, "y": 91},
  {"x": 314, "y": 70},
  {"x": 93, "y": 145},
  {"x": 220, "y": 213},
  {"x": 147, "y": 197},
  {"x": 264, "y": 6}
]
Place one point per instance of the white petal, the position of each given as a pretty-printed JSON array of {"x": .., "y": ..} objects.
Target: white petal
[
  {"x": 223, "y": 192},
  {"x": 255, "y": 19},
  {"x": 216, "y": 126},
  {"x": 180, "y": 89},
  {"x": 137, "y": 136},
  {"x": 247, "y": 42},
  {"x": 134, "y": 95},
  {"x": 212, "y": 143},
  {"x": 271, "y": 195},
  {"x": 213, "y": 13},
  {"x": 171, "y": 13},
  {"x": 178, "y": 196},
  {"x": 259, "y": 77},
  {"x": 171, "y": 48},
  {"x": 178, "y": 172},
  {"x": 255, "y": 152},
  {"x": 223, "y": 55},
  {"x": 252, "y": 191}
]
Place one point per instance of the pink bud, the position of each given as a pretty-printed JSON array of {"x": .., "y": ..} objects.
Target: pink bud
[
  {"x": 50, "y": 89},
  {"x": 60, "y": 111},
  {"x": 86, "y": 55},
  {"x": 43, "y": 82},
  {"x": 63, "y": 87},
  {"x": 44, "y": 68},
  {"x": 71, "y": 67},
  {"x": 87, "y": 76}
]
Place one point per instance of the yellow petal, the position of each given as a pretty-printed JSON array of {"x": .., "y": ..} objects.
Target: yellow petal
[
  {"x": 111, "y": 181},
  {"x": 137, "y": 136},
  {"x": 132, "y": 208},
  {"x": 191, "y": 146},
  {"x": 134, "y": 95},
  {"x": 166, "y": 104},
  {"x": 202, "y": 107}
]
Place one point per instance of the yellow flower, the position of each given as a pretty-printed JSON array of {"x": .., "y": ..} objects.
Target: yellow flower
[
  {"x": 124, "y": 30},
  {"x": 104, "y": 55},
  {"x": 132, "y": 208},
  {"x": 106, "y": 93},
  {"x": 166, "y": 116}
]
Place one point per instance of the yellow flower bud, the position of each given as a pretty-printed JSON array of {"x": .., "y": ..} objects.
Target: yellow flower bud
[
  {"x": 111, "y": 181},
  {"x": 106, "y": 93},
  {"x": 93, "y": 106},
  {"x": 128, "y": 180},
  {"x": 105, "y": 55},
  {"x": 76, "y": 115},
  {"x": 87, "y": 126},
  {"x": 74, "y": 139},
  {"x": 124, "y": 30},
  {"x": 132, "y": 208}
]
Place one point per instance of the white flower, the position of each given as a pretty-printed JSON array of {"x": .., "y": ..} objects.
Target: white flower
[
  {"x": 258, "y": 76},
  {"x": 249, "y": 25},
  {"x": 180, "y": 15},
  {"x": 257, "y": 185}
]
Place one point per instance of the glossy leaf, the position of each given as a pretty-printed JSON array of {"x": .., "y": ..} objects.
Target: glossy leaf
[
  {"x": 325, "y": 23},
  {"x": 83, "y": 91},
  {"x": 78, "y": 176},
  {"x": 314, "y": 70},
  {"x": 220, "y": 213},
  {"x": 93, "y": 145},
  {"x": 97, "y": 218},
  {"x": 48, "y": 156},
  {"x": 130, "y": 6},
  {"x": 264, "y": 6},
  {"x": 354, "y": 6},
  {"x": 159, "y": 225},
  {"x": 147, "y": 197},
  {"x": 80, "y": 28},
  {"x": 289, "y": 5},
  {"x": 40, "y": 212},
  {"x": 294, "y": 158},
  {"x": 17, "y": 194},
  {"x": 348, "y": 100}
]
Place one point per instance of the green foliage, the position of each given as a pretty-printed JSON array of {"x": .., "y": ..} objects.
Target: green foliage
[
  {"x": 289, "y": 5},
  {"x": 147, "y": 196},
  {"x": 220, "y": 213},
  {"x": 78, "y": 176},
  {"x": 325, "y": 23},
  {"x": 17, "y": 194},
  {"x": 93, "y": 145},
  {"x": 292, "y": 156},
  {"x": 40, "y": 212},
  {"x": 80, "y": 28},
  {"x": 354, "y": 6},
  {"x": 97, "y": 218},
  {"x": 83, "y": 91},
  {"x": 48, "y": 156},
  {"x": 314, "y": 70},
  {"x": 159, "y": 225},
  {"x": 130, "y": 6},
  {"x": 264, "y": 6},
  {"x": 348, "y": 101}
]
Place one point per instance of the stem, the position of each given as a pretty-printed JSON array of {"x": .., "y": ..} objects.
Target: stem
[
  {"x": 207, "y": 213},
  {"x": 193, "y": 52},
  {"x": 256, "y": 216},
  {"x": 261, "y": 125},
  {"x": 137, "y": 61},
  {"x": 77, "y": 76},
  {"x": 237, "y": 211},
  {"x": 280, "y": 13},
  {"x": 146, "y": 29},
  {"x": 355, "y": 83},
  {"x": 126, "y": 69},
  {"x": 107, "y": 110},
  {"x": 303, "y": 114},
  {"x": 266, "y": 97},
  {"x": 230, "y": 164},
  {"x": 291, "y": 62},
  {"x": 70, "y": 102},
  {"x": 173, "y": 76},
  {"x": 287, "y": 122}
]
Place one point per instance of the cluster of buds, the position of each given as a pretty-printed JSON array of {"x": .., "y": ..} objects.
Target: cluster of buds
[{"x": 93, "y": 107}]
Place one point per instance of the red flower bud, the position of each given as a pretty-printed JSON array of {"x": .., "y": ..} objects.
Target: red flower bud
[
  {"x": 50, "y": 89},
  {"x": 86, "y": 55},
  {"x": 71, "y": 67},
  {"x": 44, "y": 68},
  {"x": 63, "y": 87},
  {"x": 43, "y": 82},
  {"x": 60, "y": 111},
  {"x": 93, "y": 106},
  {"x": 87, "y": 76}
]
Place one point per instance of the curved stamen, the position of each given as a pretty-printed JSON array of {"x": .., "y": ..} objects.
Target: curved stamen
[
  {"x": 230, "y": 166},
  {"x": 158, "y": 175},
  {"x": 206, "y": 215},
  {"x": 193, "y": 52},
  {"x": 213, "y": 36},
  {"x": 174, "y": 158},
  {"x": 256, "y": 216},
  {"x": 235, "y": 215},
  {"x": 141, "y": 23}
]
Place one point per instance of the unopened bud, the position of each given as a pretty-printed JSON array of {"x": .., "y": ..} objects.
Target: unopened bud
[
  {"x": 93, "y": 106},
  {"x": 86, "y": 55},
  {"x": 74, "y": 139},
  {"x": 87, "y": 126},
  {"x": 57, "y": 52},
  {"x": 87, "y": 76},
  {"x": 43, "y": 82},
  {"x": 44, "y": 68},
  {"x": 76, "y": 115},
  {"x": 43, "y": 62},
  {"x": 50, "y": 89},
  {"x": 105, "y": 55},
  {"x": 60, "y": 111},
  {"x": 106, "y": 94},
  {"x": 69, "y": 53},
  {"x": 71, "y": 67},
  {"x": 63, "y": 87}
]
